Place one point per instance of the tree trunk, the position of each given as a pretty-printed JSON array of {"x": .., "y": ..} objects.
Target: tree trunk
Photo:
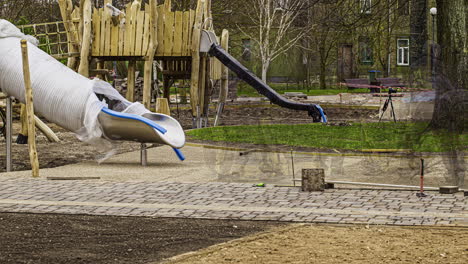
[
  {"x": 451, "y": 66},
  {"x": 265, "y": 66},
  {"x": 450, "y": 81},
  {"x": 323, "y": 76},
  {"x": 418, "y": 37}
]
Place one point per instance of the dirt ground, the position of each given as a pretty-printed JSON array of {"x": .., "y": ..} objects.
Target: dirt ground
[
  {"x": 43, "y": 238},
  {"x": 255, "y": 113},
  {"x": 340, "y": 244},
  {"x": 70, "y": 150}
]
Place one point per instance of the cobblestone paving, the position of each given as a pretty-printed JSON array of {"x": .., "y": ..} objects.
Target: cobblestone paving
[{"x": 231, "y": 201}]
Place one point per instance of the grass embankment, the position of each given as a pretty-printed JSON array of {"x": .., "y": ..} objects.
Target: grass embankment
[{"x": 357, "y": 136}]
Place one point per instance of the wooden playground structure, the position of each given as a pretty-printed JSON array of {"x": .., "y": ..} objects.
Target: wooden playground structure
[{"x": 151, "y": 33}]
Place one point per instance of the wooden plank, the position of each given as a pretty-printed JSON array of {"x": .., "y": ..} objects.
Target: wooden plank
[
  {"x": 97, "y": 32},
  {"x": 103, "y": 33},
  {"x": 115, "y": 30},
  {"x": 186, "y": 34},
  {"x": 134, "y": 20},
  {"x": 161, "y": 15},
  {"x": 169, "y": 33},
  {"x": 30, "y": 111},
  {"x": 108, "y": 40},
  {"x": 122, "y": 27},
  {"x": 125, "y": 31},
  {"x": 128, "y": 31},
  {"x": 178, "y": 30},
  {"x": 139, "y": 32},
  {"x": 146, "y": 31},
  {"x": 108, "y": 32},
  {"x": 190, "y": 31},
  {"x": 185, "y": 21}
]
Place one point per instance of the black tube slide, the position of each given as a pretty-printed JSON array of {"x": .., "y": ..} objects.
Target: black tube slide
[{"x": 315, "y": 111}]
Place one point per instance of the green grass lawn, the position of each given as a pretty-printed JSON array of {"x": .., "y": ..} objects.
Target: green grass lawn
[{"x": 358, "y": 136}]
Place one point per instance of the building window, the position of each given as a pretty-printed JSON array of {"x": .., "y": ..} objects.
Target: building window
[
  {"x": 365, "y": 6},
  {"x": 402, "y": 52},
  {"x": 403, "y": 7},
  {"x": 365, "y": 51},
  {"x": 246, "y": 49}
]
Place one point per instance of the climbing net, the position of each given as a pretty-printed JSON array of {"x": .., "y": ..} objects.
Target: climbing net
[{"x": 52, "y": 37}]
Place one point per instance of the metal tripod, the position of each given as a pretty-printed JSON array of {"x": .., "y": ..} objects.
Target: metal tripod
[{"x": 389, "y": 101}]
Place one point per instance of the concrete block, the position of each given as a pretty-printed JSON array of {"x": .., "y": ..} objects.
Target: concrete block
[
  {"x": 313, "y": 180},
  {"x": 448, "y": 189}
]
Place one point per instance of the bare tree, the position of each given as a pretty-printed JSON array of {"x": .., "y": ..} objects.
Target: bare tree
[{"x": 273, "y": 28}]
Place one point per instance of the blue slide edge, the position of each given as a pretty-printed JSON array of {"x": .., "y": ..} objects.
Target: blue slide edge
[
  {"x": 179, "y": 154},
  {"x": 150, "y": 123},
  {"x": 324, "y": 117},
  {"x": 135, "y": 117}
]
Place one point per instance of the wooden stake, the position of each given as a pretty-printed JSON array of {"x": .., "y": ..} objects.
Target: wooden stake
[
  {"x": 29, "y": 110},
  {"x": 24, "y": 121}
]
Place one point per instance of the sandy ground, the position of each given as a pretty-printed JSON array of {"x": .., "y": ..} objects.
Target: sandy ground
[
  {"x": 339, "y": 244},
  {"x": 228, "y": 165}
]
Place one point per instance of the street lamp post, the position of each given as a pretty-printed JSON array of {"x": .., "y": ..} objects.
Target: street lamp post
[{"x": 433, "y": 14}]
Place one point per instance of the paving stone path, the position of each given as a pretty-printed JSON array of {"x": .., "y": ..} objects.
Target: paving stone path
[{"x": 231, "y": 201}]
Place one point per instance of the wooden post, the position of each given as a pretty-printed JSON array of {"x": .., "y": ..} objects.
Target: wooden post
[
  {"x": 223, "y": 93},
  {"x": 100, "y": 66},
  {"x": 131, "y": 81},
  {"x": 162, "y": 106},
  {"x": 313, "y": 180},
  {"x": 86, "y": 40},
  {"x": 29, "y": 110},
  {"x": 8, "y": 132},
  {"x": 166, "y": 87},
  {"x": 23, "y": 135},
  {"x": 195, "y": 76},
  {"x": 224, "y": 88}
]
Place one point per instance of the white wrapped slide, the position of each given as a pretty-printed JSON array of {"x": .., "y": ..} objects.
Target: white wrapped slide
[{"x": 71, "y": 100}]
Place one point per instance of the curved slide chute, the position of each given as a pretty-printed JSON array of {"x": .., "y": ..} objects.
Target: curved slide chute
[
  {"x": 92, "y": 109},
  {"x": 315, "y": 111}
]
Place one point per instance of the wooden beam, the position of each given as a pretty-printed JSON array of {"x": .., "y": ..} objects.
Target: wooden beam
[{"x": 29, "y": 110}]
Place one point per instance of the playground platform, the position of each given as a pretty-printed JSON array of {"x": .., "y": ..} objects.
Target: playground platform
[{"x": 193, "y": 189}]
